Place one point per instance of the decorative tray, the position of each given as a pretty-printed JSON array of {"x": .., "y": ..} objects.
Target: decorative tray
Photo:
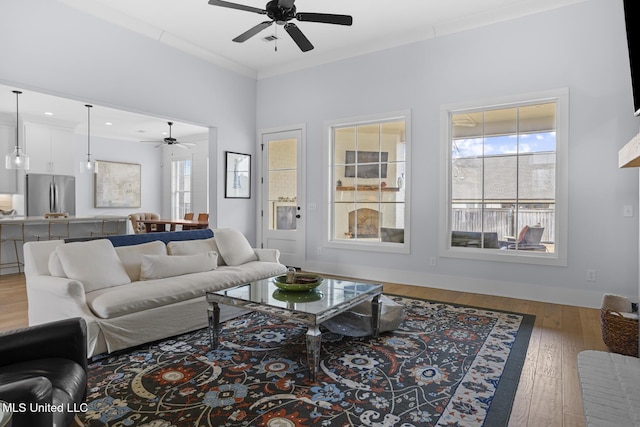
[
  {"x": 303, "y": 282},
  {"x": 298, "y": 297},
  {"x": 56, "y": 215}
]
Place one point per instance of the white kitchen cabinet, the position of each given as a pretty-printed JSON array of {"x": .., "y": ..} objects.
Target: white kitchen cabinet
[
  {"x": 8, "y": 177},
  {"x": 50, "y": 149}
]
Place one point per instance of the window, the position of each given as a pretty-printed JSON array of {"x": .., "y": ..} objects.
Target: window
[
  {"x": 505, "y": 180},
  {"x": 368, "y": 175},
  {"x": 180, "y": 187}
]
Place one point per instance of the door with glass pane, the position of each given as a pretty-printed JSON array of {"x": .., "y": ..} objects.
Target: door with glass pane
[{"x": 282, "y": 209}]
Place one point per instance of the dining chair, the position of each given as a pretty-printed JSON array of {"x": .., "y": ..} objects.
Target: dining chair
[
  {"x": 202, "y": 217},
  {"x": 188, "y": 216},
  {"x": 139, "y": 227}
]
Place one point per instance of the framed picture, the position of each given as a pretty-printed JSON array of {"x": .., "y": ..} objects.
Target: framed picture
[
  {"x": 237, "y": 176},
  {"x": 116, "y": 185}
]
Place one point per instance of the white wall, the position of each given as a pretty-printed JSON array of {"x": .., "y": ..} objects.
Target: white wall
[
  {"x": 582, "y": 47},
  {"x": 51, "y": 48},
  {"x": 112, "y": 150}
]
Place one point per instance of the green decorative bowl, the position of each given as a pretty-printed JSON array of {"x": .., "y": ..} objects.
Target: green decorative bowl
[
  {"x": 303, "y": 282},
  {"x": 298, "y": 297}
]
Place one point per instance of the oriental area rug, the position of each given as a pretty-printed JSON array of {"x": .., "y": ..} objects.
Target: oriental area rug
[{"x": 445, "y": 365}]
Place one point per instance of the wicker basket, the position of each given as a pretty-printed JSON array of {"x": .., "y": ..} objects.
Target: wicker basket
[{"x": 619, "y": 333}]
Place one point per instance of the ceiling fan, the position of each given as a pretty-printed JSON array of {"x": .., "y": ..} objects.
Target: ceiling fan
[
  {"x": 281, "y": 12},
  {"x": 172, "y": 141}
]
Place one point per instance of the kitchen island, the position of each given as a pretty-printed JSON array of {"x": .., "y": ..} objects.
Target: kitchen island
[{"x": 32, "y": 228}]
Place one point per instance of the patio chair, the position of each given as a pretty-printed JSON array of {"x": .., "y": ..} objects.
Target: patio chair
[{"x": 528, "y": 239}]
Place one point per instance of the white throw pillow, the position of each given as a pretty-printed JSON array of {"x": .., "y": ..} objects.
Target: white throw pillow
[
  {"x": 94, "y": 263},
  {"x": 234, "y": 247},
  {"x": 160, "y": 266},
  {"x": 131, "y": 256},
  {"x": 55, "y": 266},
  {"x": 192, "y": 247}
]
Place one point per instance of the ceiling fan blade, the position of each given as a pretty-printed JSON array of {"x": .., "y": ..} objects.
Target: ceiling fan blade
[
  {"x": 152, "y": 142},
  {"x": 325, "y": 18},
  {"x": 252, "y": 32},
  {"x": 181, "y": 145},
  {"x": 237, "y": 6},
  {"x": 301, "y": 40},
  {"x": 286, "y": 4}
]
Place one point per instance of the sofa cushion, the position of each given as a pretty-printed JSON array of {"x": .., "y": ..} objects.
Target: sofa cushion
[
  {"x": 192, "y": 247},
  {"x": 109, "y": 303},
  {"x": 234, "y": 247},
  {"x": 131, "y": 256},
  {"x": 94, "y": 263},
  {"x": 161, "y": 266},
  {"x": 55, "y": 266}
]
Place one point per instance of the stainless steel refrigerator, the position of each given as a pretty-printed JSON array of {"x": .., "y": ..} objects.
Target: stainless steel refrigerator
[{"x": 50, "y": 193}]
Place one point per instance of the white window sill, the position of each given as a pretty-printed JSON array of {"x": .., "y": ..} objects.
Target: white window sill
[
  {"x": 377, "y": 246},
  {"x": 502, "y": 255}
]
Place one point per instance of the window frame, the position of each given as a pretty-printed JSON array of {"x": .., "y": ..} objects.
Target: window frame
[
  {"x": 330, "y": 180},
  {"x": 559, "y": 256},
  {"x": 174, "y": 190}
]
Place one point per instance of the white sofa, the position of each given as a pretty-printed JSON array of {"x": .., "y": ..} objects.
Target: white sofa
[{"x": 144, "y": 290}]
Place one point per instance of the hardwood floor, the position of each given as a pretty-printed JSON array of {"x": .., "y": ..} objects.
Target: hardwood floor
[
  {"x": 13, "y": 302},
  {"x": 549, "y": 391}
]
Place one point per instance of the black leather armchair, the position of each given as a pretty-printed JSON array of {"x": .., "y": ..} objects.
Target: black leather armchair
[{"x": 44, "y": 366}]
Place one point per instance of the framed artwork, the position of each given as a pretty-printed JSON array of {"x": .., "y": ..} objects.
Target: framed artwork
[
  {"x": 237, "y": 175},
  {"x": 116, "y": 185}
]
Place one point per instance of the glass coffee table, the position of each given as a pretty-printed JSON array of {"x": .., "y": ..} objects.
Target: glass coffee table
[{"x": 311, "y": 308}]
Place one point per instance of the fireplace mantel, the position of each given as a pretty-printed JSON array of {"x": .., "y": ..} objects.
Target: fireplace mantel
[{"x": 629, "y": 155}]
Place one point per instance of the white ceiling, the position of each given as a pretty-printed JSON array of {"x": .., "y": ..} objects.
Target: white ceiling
[
  {"x": 124, "y": 125},
  {"x": 207, "y": 31}
]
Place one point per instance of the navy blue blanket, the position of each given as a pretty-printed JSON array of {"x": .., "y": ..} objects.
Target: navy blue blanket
[{"x": 164, "y": 236}]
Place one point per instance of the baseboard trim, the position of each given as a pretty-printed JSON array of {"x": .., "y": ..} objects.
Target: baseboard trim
[{"x": 526, "y": 291}]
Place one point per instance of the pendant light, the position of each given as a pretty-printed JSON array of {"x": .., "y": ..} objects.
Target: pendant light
[
  {"x": 18, "y": 159},
  {"x": 87, "y": 165}
]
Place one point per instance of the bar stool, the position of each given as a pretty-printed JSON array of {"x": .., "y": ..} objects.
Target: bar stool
[
  {"x": 17, "y": 235},
  {"x": 58, "y": 229},
  {"x": 110, "y": 227}
]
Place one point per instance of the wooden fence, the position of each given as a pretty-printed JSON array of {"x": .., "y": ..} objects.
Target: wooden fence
[{"x": 504, "y": 221}]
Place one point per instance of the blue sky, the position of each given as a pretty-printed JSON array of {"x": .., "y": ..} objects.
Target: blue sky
[{"x": 503, "y": 145}]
